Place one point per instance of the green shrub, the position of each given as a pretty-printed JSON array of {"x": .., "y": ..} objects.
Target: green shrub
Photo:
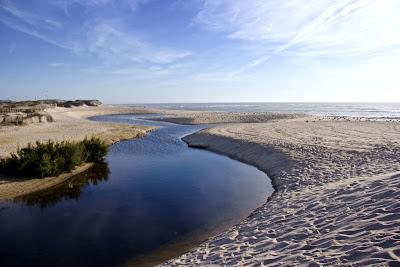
[
  {"x": 52, "y": 159},
  {"x": 95, "y": 149}
]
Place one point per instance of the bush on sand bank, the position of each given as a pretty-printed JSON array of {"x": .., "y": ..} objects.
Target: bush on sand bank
[{"x": 53, "y": 158}]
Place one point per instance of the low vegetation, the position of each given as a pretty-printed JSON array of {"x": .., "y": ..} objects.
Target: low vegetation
[
  {"x": 34, "y": 111},
  {"x": 53, "y": 158},
  {"x": 30, "y": 106}
]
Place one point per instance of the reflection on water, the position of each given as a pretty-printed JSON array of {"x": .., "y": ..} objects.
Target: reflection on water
[
  {"x": 70, "y": 189},
  {"x": 153, "y": 192}
]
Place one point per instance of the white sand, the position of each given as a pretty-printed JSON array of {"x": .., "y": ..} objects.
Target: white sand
[
  {"x": 198, "y": 117},
  {"x": 338, "y": 184},
  {"x": 337, "y": 199}
]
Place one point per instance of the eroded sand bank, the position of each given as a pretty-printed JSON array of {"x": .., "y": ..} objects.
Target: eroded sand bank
[
  {"x": 337, "y": 199},
  {"x": 69, "y": 124}
]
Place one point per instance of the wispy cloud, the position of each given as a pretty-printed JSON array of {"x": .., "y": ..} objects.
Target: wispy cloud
[
  {"x": 116, "y": 46},
  {"x": 316, "y": 27},
  {"x": 102, "y": 34},
  {"x": 40, "y": 26},
  {"x": 126, "y": 4},
  {"x": 10, "y": 22},
  {"x": 58, "y": 64},
  {"x": 30, "y": 18},
  {"x": 240, "y": 34}
]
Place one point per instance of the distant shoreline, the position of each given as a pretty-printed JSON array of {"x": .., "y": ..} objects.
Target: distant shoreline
[{"x": 372, "y": 110}]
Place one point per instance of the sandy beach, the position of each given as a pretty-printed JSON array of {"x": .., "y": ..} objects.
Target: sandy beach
[
  {"x": 254, "y": 133},
  {"x": 337, "y": 198},
  {"x": 198, "y": 117},
  {"x": 69, "y": 124},
  {"x": 336, "y": 180}
]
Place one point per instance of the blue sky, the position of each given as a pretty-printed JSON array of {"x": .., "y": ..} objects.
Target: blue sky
[{"x": 137, "y": 51}]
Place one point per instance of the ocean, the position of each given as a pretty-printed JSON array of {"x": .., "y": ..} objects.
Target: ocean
[{"x": 367, "y": 110}]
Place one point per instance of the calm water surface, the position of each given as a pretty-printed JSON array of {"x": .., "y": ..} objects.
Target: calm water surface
[{"x": 150, "y": 192}]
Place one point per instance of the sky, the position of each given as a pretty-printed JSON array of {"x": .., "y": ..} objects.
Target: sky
[{"x": 160, "y": 51}]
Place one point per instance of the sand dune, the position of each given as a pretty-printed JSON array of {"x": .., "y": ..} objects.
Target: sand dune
[{"x": 337, "y": 200}]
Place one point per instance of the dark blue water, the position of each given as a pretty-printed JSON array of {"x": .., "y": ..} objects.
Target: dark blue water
[
  {"x": 149, "y": 194},
  {"x": 368, "y": 110}
]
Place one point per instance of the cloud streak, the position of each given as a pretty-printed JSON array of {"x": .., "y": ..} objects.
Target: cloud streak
[
  {"x": 224, "y": 38},
  {"x": 105, "y": 36},
  {"x": 31, "y": 19},
  {"x": 115, "y": 46},
  {"x": 316, "y": 27}
]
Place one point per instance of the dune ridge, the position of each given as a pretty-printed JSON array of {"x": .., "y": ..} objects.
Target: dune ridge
[{"x": 336, "y": 201}]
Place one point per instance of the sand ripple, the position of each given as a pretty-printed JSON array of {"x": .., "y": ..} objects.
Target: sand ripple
[{"x": 337, "y": 201}]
